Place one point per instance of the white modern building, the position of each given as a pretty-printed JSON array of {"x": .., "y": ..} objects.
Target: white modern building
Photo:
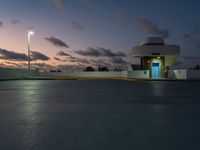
[{"x": 155, "y": 57}]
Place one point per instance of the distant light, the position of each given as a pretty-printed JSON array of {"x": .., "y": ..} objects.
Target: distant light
[
  {"x": 158, "y": 57},
  {"x": 29, "y": 48},
  {"x": 31, "y": 33}
]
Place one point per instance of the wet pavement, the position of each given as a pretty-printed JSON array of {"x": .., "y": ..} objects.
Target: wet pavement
[{"x": 99, "y": 115}]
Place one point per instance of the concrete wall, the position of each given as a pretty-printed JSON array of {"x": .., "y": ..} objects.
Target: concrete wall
[
  {"x": 177, "y": 74},
  {"x": 139, "y": 74},
  {"x": 193, "y": 74},
  {"x": 110, "y": 74},
  {"x": 10, "y": 73},
  {"x": 169, "y": 60}
]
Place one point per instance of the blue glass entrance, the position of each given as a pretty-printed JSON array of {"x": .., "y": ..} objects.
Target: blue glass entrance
[{"x": 155, "y": 70}]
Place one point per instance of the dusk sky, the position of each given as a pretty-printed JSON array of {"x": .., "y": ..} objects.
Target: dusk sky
[{"x": 70, "y": 34}]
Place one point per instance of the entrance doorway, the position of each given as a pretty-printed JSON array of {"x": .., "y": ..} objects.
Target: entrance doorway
[{"x": 155, "y": 70}]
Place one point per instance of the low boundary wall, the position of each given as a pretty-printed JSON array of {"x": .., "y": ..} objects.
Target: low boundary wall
[
  {"x": 11, "y": 73},
  {"x": 110, "y": 74},
  {"x": 177, "y": 74},
  {"x": 139, "y": 74}
]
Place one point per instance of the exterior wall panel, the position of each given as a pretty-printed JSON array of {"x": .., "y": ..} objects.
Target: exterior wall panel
[{"x": 139, "y": 74}]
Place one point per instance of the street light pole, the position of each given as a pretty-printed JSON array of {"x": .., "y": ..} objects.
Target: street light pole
[{"x": 29, "y": 48}]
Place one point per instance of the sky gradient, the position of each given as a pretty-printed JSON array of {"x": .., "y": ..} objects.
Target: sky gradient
[{"x": 72, "y": 34}]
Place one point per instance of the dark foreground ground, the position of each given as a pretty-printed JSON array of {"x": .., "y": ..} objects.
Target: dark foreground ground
[{"x": 99, "y": 115}]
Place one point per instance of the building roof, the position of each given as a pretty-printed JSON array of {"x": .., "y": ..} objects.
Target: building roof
[
  {"x": 153, "y": 41},
  {"x": 152, "y": 46}
]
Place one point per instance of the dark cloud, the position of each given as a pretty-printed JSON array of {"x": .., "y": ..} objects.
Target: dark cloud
[
  {"x": 57, "y": 42},
  {"x": 114, "y": 58},
  {"x": 61, "y": 53},
  {"x": 39, "y": 64},
  {"x": 43, "y": 66},
  {"x": 10, "y": 55},
  {"x": 78, "y": 60},
  {"x": 101, "y": 62},
  {"x": 99, "y": 52},
  {"x": 1, "y": 23},
  {"x": 82, "y": 60},
  {"x": 150, "y": 27},
  {"x": 193, "y": 37},
  {"x": 76, "y": 26},
  {"x": 72, "y": 60},
  {"x": 38, "y": 56},
  {"x": 111, "y": 63},
  {"x": 56, "y": 58},
  {"x": 15, "y": 64},
  {"x": 123, "y": 16},
  {"x": 59, "y": 4},
  {"x": 71, "y": 68},
  {"x": 15, "y": 21},
  {"x": 118, "y": 60},
  {"x": 89, "y": 52},
  {"x": 72, "y": 57}
]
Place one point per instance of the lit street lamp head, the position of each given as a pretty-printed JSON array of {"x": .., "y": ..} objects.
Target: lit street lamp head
[{"x": 30, "y": 32}]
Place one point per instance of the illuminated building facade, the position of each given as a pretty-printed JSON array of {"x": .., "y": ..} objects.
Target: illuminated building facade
[{"x": 155, "y": 56}]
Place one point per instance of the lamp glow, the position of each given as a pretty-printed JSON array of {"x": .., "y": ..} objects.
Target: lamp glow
[{"x": 31, "y": 33}]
